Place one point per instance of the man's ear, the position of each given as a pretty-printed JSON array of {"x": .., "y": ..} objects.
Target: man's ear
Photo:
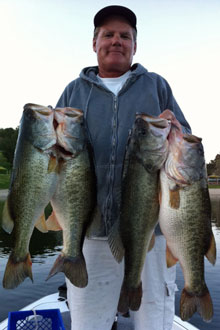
[
  {"x": 94, "y": 45},
  {"x": 135, "y": 48}
]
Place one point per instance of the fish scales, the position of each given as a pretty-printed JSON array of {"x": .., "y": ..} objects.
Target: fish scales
[
  {"x": 32, "y": 185},
  {"x": 142, "y": 187},
  {"x": 27, "y": 190},
  {"x": 146, "y": 152},
  {"x": 75, "y": 196},
  {"x": 186, "y": 225}
]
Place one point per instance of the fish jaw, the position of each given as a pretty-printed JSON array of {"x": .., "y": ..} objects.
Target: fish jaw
[
  {"x": 37, "y": 126},
  {"x": 70, "y": 135},
  {"x": 185, "y": 162},
  {"x": 150, "y": 139},
  {"x": 169, "y": 115}
]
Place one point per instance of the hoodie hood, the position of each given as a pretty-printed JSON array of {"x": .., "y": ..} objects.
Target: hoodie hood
[{"x": 90, "y": 73}]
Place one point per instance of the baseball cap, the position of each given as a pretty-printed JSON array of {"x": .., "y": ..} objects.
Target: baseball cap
[{"x": 115, "y": 10}]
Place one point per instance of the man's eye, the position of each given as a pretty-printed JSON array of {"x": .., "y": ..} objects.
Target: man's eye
[
  {"x": 108, "y": 35},
  {"x": 125, "y": 36}
]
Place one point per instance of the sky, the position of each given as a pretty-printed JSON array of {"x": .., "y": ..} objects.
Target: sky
[{"x": 46, "y": 43}]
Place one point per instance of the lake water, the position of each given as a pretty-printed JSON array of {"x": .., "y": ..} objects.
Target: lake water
[{"x": 44, "y": 249}]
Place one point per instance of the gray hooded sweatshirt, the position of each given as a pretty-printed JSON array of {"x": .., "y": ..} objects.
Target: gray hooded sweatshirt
[{"x": 108, "y": 120}]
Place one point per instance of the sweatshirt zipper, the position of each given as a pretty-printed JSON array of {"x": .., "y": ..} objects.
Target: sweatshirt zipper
[{"x": 109, "y": 199}]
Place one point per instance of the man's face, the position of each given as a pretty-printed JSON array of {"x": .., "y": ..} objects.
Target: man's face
[{"x": 115, "y": 47}]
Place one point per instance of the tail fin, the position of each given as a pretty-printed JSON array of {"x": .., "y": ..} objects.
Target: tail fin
[
  {"x": 123, "y": 304},
  {"x": 17, "y": 271},
  {"x": 130, "y": 298},
  {"x": 189, "y": 304},
  {"x": 74, "y": 269}
]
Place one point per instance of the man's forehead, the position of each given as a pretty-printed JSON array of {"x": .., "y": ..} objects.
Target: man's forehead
[{"x": 116, "y": 18}]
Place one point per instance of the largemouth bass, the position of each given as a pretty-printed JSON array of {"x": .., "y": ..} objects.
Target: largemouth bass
[
  {"x": 33, "y": 182},
  {"x": 75, "y": 196},
  {"x": 146, "y": 152},
  {"x": 185, "y": 220}
]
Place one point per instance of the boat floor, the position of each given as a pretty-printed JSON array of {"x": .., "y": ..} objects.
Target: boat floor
[{"x": 55, "y": 301}]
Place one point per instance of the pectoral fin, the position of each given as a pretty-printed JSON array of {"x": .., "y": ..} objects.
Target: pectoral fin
[
  {"x": 152, "y": 242},
  {"x": 211, "y": 254},
  {"x": 52, "y": 165},
  {"x": 52, "y": 223},
  {"x": 41, "y": 224},
  {"x": 7, "y": 222},
  {"x": 171, "y": 260},
  {"x": 174, "y": 199},
  {"x": 115, "y": 243}
]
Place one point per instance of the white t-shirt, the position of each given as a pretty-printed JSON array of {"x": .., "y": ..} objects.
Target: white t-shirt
[{"x": 115, "y": 84}]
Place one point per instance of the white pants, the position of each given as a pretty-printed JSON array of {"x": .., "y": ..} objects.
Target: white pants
[
  {"x": 94, "y": 307},
  {"x": 158, "y": 301}
]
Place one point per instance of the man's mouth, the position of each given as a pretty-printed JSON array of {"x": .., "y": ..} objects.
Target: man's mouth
[{"x": 115, "y": 52}]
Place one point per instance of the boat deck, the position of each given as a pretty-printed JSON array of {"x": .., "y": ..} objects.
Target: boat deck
[
  {"x": 123, "y": 323},
  {"x": 55, "y": 301}
]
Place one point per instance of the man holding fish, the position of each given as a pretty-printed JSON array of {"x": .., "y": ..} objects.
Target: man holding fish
[
  {"x": 110, "y": 96},
  {"x": 114, "y": 158}
]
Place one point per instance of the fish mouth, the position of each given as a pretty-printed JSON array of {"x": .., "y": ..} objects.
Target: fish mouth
[
  {"x": 36, "y": 109},
  {"x": 62, "y": 121},
  {"x": 155, "y": 121},
  {"x": 55, "y": 124},
  {"x": 60, "y": 113},
  {"x": 62, "y": 151},
  {"x": 70, "y": 112}
]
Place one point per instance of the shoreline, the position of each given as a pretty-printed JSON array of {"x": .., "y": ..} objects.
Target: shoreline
[{"x": 3, "y": 194}]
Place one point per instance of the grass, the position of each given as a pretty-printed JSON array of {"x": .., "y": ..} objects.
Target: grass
[
  {"x": 215, "y": 186},
  {"x": 4, "y": 181}
]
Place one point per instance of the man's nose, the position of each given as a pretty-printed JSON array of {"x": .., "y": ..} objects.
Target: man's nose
[{"x": 116, "y": 40}]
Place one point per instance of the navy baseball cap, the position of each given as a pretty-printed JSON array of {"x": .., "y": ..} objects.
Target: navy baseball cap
[{"x": 115, "y": 10}]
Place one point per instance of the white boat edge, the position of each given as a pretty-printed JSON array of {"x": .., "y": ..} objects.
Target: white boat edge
[{"x": 52, "y": 301}]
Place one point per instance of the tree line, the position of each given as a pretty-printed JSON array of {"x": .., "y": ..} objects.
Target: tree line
[
  {"x": 8, "y": 138},
  {"x": 213, "y": 167}
]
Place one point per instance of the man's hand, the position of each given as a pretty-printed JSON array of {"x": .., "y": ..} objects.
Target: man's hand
[{"x": 169, "y": 115}]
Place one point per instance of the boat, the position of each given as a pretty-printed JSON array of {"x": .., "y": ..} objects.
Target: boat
[{"x": 58, "y": 300}]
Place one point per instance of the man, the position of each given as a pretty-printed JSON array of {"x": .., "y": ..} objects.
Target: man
[{"x": 110, "y": 95}]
